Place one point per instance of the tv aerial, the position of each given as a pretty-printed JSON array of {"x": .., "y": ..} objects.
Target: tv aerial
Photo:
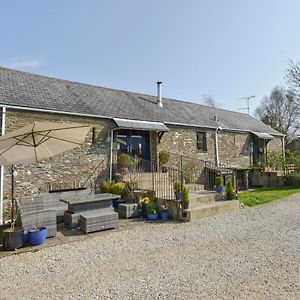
[{"x": 248, "y": 103}]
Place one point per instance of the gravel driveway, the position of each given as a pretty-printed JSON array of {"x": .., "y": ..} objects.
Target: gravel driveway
[{"x": 249, "y": 254}]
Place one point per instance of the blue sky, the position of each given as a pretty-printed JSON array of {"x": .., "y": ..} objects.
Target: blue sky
[{"x": 228, "y": 49}]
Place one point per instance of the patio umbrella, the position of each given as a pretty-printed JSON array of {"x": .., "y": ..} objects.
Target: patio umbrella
[{"x": 39, "y": 141}]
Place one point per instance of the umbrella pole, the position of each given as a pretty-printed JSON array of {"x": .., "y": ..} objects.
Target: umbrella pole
[{"x": 12, "y": 194}]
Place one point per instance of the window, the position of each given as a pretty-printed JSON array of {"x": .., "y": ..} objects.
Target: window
[{"x": 201, "y": 141}]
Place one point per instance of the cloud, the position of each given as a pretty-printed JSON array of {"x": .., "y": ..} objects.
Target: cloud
[{"x": 21, "y": 63}]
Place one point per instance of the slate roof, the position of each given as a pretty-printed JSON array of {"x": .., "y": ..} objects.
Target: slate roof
[{"x": 35, "y": 91}]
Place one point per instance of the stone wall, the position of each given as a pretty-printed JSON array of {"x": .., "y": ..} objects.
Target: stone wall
[
  {"x": 77, "y": 165},
  {"x": 183, "y": 141},
  {"x": 275, "y": 145},
  {"x": 234, "y": 149},
  {"x": 72, "y": 166}
]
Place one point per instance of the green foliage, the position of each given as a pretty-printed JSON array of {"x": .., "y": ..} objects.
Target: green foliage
[
  {"x": 265, "y": 195},
  {"x": 260, "y": 166},
  {"x": 277, "y": 162},
  {"x": 292, "y": 179},
  {"x": 229, "y": 186},
  {"x": 105, "y": 186},
  {"x": 292, "y": 158},
  {"x": 219, "y": 181},
  {"x": 151, "y": 208},
  {"x": 123, "y": 160},
  {"x": 185, "y": 194},
  {"x": 118, "y": 188},
  {"x": 164, "y": 157},
  {"x": 177, "y": 186}
]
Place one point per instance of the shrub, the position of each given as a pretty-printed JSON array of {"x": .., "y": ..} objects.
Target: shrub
[
  {"x": 164, "y": 157},
  {"x": 123, "y": 160},
  {"x": 118, "y": 188},
  {"x": 177, "y": 186},
  {"x": 185, "y": 194},
  {"x": 275, "y": 160},
  {"x": 219, "y": 181},
  {"x": 229, "y": 187},
  {"x": 292, "y": 179},
  {"x": 105, "y": 186}
]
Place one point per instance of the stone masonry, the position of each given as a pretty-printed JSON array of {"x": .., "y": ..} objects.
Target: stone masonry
[
  {"x": 72, "y": 166},
  {"x": 77, "y": 165}
]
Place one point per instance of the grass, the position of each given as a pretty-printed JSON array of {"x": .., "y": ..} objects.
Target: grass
[{"x": 266, "y": 194}]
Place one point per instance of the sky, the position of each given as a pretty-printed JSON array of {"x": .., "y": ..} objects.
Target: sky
[{"x": 227, "y": 49}]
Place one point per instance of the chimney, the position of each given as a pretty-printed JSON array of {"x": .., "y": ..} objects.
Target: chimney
[
  {"x": 216, "y": 118},
  {"x": 159, "y": 101}
]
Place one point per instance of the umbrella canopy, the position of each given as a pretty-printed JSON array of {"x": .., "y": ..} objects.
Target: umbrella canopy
[{"x": 40, "y": 141}]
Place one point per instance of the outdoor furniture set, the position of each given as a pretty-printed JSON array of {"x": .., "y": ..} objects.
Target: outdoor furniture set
[
  {"x": 40, "y": 214},
  {"x": 91, "y": 212}
]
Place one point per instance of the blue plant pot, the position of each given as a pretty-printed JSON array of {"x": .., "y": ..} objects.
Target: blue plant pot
[
  {"x": 178, "y": 195},
  {"x": 144, "y": 210},
  {"x": 152, "y": 216},
  {"x": 219, "y": 188},
  {"x": 115, "y": 203},
  {"x": 37, "y": 237},
  {"x": 164, "y": 215}
]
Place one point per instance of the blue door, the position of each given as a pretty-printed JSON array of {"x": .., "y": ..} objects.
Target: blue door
[{"x": 134, "y": 143}]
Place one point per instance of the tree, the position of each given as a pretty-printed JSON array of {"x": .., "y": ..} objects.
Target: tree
[
  {"x": 280, "y": 110},
  {"x": 293, "y": 78},
  {"x": 209, "y": 100}
]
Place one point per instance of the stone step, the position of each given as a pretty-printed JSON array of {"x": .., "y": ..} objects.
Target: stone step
[
  {"x": 209, "y": 209},
  {"x": 196, "y": 199},
  {"x": 195, "y": 187}
]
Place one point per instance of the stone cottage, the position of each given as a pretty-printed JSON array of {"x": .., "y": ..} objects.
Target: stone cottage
[{"x": 127, "y": 122}]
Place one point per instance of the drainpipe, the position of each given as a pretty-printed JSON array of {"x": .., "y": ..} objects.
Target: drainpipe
[
  {"x": 111, "y": 153},
  {"x": 2, "y": 167},
  {"x": 283, "y": 146},
  {"x": 216, "y": 147}
]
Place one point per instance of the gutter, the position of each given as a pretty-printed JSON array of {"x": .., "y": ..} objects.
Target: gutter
[
  {"x": 44, "y": 110},
  {"x": 53, "y": 111},
  {"x": 223, "y": 128}
]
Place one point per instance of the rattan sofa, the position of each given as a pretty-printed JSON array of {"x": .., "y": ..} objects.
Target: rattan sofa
[{"x": 44, "y": 210}]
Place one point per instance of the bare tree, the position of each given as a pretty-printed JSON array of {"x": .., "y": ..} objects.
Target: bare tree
[
  {"x": 293, "y": 78},
  {"x": 280, "y": 110},
  {"x": 209, "y": 100}
]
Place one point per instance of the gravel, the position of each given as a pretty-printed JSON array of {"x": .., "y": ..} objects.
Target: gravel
[{"x": 249, "y": 254}]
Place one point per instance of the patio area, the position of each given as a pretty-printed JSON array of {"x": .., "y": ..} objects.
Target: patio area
[{"x": 66, "y": 236}]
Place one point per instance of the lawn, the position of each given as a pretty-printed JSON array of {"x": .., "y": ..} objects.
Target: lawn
[{"x": 266, "y": 194}]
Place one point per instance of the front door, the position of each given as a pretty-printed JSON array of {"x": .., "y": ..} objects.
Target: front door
[
  {"x": 259, "y": 150},
  {"x": 134, "y": 143}
]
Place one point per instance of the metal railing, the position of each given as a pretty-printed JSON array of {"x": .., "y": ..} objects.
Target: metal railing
[{"x": 197, "y": 174}]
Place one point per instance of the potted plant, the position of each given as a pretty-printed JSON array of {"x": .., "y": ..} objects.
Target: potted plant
[
  {"x": 164, "y": 214},
  {"x": 13, "y": 238},
  {"x": 145, "y": 201},
  {"x": 177, "y": 190},
  {"x": 185, "y": 197},
  {"x": 164, "y": 157},
  {"x": 37, "y": 236},
  {"x": 123, "y": 160},
  {"x": 230, "y": 190},
  {"x": 219, "y": 184},
  {"x": 152, "y": 211}
]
